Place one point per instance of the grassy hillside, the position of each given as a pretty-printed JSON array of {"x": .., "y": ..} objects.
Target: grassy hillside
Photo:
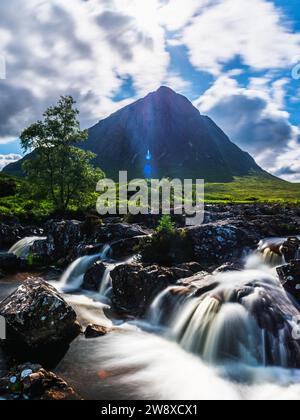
[
  {"x": 17, "y": 199},
  {"x": 253, "y": 189}
]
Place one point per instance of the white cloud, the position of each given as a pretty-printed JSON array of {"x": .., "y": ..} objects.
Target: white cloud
[
  {"x": 253, "y": 119},
  {"x": 79, "y": 48},
  {"x": 256, "y": 31},
  {"x": 7, "y": 159}
]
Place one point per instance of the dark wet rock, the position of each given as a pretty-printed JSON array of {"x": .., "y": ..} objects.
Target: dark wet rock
[
  {"x": 12, "y": 233},
  {"x": 82, "y": 250},
  {"x": 93, "y": 277},
  {"x": 37, "y": 317},
  {"x": 289, "y": 276},
  {"x": 199, "y": 283},
  {"x": 230, "y": 266},
  {"x": 42, "y": 251},
  {"x": 95, "y": 331},
  {"x": 9, "y": 262},
  {"x": 290, "y": 249},
  {"x": 217, "y": 243},
  {"x": 32, "y": 382},
  {"x": 125, "y": 247},
  {"x": 185, "y": 270},
  {"x": 113, "y": 232},
  {"x": 136, "y": 285},
  {"x": 64, "y": 235}
]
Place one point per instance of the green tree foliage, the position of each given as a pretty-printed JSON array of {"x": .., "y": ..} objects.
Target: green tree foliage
[{"x": 58, "y": 170}]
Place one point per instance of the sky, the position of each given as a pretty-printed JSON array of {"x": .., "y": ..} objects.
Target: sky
[{"x": 236, "y": 60}]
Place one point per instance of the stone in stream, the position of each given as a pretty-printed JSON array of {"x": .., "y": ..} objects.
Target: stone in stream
[
  {"x": 290, "y": 248},
  {"x": 135, "y": 286},
  {"x": 214, "y": 244},
  {"x": 95, "y": 331},
  {"x": 289, "y": 276},
  {"x": 93, "y": 277},
  {"x": 125, "y": 247},
  {"x": 8, "y": 262},
  {"x": 32, "y": 382},
  {"x": 39, "y": 322}
]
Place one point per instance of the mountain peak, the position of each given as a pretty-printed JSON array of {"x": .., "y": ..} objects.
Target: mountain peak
[
  {"x": 165, "y": 90},
  {"x": 165, "y": 134}
]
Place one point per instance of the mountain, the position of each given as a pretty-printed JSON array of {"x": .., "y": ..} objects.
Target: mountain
[{"x": 164, "y": 135}]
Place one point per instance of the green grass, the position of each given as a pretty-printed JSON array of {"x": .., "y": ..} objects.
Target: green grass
[{"x": 253, "y": 189}]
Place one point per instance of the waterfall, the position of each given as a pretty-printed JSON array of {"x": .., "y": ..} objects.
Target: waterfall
[
  {"x": 166, "y": 305},
  {"x": 270, "y": 251},
  {"x": 105, "y": 284},
  {"x": 22, "y": 248},
  {"x": 73, "y": 277},
  {"x": 248, "y": 319},
  {"x": 106, "y": 280}
]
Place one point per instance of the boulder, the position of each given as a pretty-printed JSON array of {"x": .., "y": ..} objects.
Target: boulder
[
  {"x": 95, "y": 331},
  {"x": 290, "y": 249},
  {"x": 8, "y": 262},
  {"x": 38, "y": 317},
  {"x": 125, "y": 247},
  {"x": 230, "y": 266},
  {"x": 64, "y": 236},
  {"x": 217, "y": 243},
  {"x": 12, "y": 233},
  {"x": 289, "y": 276},
  {"x": 135, "y": 285},
  {"x": 112, "y": 232},
  {"x": 93, "y": 277},
  {"x": 32, "y": 382}
]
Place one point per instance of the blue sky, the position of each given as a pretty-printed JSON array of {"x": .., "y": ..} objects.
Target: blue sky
[{"x": 232, "y": 58}]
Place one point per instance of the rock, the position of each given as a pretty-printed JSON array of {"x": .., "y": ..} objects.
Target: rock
[
  {"x": 42, "y": 252},
  {"x": 135, "y": 285},
  {"x": 12, "y": 233},
  {"x": 216, "y": 243},
  {"x": 95, "y": 331},
  {"x": 32, "y": 382},
  {"x": 93, "y": 277},
  {"x": 184, "y": 270},
  {"x": 8, "y": 262},
  {"x": 37, "y": 317},
  {"x": 290, "y": 249},
  {"x": 63, "y": 236},
  {"x": 230, "y": 266},
  {"x": 113, "y": 232},
  {"x": 289, "y": 276},
  {"x": 125, "y": 247}
]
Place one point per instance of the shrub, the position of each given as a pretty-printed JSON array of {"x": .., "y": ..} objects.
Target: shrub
[{"x": 168, "y": 246}]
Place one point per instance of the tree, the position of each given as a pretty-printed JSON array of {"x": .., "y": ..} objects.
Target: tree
[{"x": 58, "y": 169}]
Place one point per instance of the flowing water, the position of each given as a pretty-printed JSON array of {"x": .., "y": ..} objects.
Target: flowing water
[
  {"x": 22, "y": 248},
  {"x": 235, "y": 342},
  {"x": 72, "y": 278}
]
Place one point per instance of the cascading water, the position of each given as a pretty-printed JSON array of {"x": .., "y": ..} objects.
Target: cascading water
[
  {"x": 270, "y": 251},
  {"x": 72, "y": 278},
  {"x": 22, "y": 248},
  {"x": 166, "y": 304},
  {"x": 247, "y": 319},
  {"x": 234, "y": 342},
  {"x": 105, "y": 285}
]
